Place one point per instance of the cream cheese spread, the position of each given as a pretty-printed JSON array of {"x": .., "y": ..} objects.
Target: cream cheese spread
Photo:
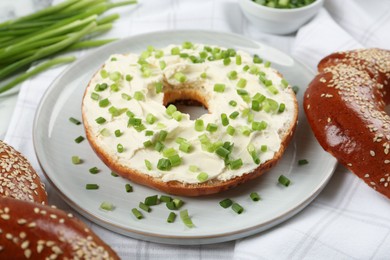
[{"x": 133, "y": 85}]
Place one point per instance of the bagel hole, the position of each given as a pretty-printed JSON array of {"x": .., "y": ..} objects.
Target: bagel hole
[
  {"x": 192, "y": 107},
  {"x": 191, "y": 102}
]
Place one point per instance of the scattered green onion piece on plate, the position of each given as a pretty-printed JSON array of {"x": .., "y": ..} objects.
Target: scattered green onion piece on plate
[
  {"x": 255, "y": 196},
  {"x": 74, "y": 121},
  {"x": 186, "y": 218},
  {"x": 284, "y": 180},
  {"x": 91, "y": 186},
  {"x": 171, "y": 217},
  {"x": 237, "y": 208},
  {"x": 137, "y": 213},
  {"x": 225, "y": 203}
]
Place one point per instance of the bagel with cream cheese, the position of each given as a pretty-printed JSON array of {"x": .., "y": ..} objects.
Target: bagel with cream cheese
[
  {"x": 345, "y": 106},
  {"x": 133, "y": 126}
]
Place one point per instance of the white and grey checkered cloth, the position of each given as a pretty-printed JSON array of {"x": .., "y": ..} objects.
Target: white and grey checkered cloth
[{"x": 348, "y": 220}]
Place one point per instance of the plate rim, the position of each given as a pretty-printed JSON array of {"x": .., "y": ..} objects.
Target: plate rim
[{"x": 162, "y": 238}]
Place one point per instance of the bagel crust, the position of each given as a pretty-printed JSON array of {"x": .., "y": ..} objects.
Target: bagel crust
[
  {"x": 188, "y": 75},
  {"x": 18, "y": 179},
  {"x": 33, "y": 231},
  {"x": 345, "y": 106}
]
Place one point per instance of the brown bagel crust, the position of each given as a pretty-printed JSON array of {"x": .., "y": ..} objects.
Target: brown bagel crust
[
  {"x": 35, "y": 231},
  {"x": 185, "y": 189},
  {"x": 345, "y": 106},
  {"x": 18, "y": 179}
]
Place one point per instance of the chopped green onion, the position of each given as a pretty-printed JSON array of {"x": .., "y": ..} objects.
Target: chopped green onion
[
  {"x": 115, "y": 76},
  {"x": 202, "y": 177},
  {"x": 150, "y": 118},
  {"x": 107, "y": 206},
  {"x": 148, "y": 143},
  {"x": 193, "y": 168},
  {"x": 234, "y": 115},
  {"x": 76, "y": 159},
  {"x": 94, "y": 170},
  {"x": 119, "y": 148},
  {"x": 79, "y": 139},
  {"x": 282, "y": 107},
  {"x": 284, "y": 83},
  {"x": 137, "y": 213},
  {"x": 185, "y": 147},
  {"x": 169, "y": 152},
  {"x": 74, "y": 121},
  {"x": 128, "y": 77},
  {"x": 118, "y": 133},
  {"x": 178, "y": 203},
  {"x": 149, "y": 133},
  {"x": 170, "y": 205},
  {"x": 230, "y": 130},
  {"x": 303, "y": 162},
  {"x": 91, "y": 186},
  {"x": 165, "y": 198},
  {"x": 237, "y": 208},
  {"x": 236, "y": 164},
  {"x": 175, "y": 160},
  {"x": 257, "y": 59},
  {"x": 162, "y": 64},
  {"x": 161, "y": 125},
  {"x": 151, "y": 200},
  {"x": 126, "y": 96},
  {"x": 104, "y": 74},
  {"x": 203, "y": 75},
  {"x": 128, "y": 188},
  {"x": 175, "y": 51},
  {"x": 164, "y": 164},
  {"x": 179, "y": 76},
  {"x": 241, "y": 83},
  {"x": 238, "y": 60},
  {"x": 101, "y": 87},
  {"x": 273, "y": 89},
  {"x": 114, "y": 174},
  {"x": 138, "y": 95},
  {"x": 159, "y": 146},
  {"x": 211, "y": 127},
  {"x": 105, "y": 132},
  {"x": 170, "y": 109},
  {"x": 245, "y": 68},
  {"x": 186, "y": 218},
  {"x": 226, "y": 203},
  {"x": 177, "y": 115},
  {"x": 232, "y": 103},
  {"x": 187, "y": 45},
  {"x": 162, "y": 135},
  {"x": 258, "y": 126},
  {"x": 226, "y": 61},
  {"x": 252, "y": 151},
  {"x": 171, "y": 218},
  {"x": 267, "y": 64},
  {"x": 264, "y": 148},
  {"x": 144, "y": 207},
  {"x": 222, "y": 152},
  {"x": 245, "y": 130},
  {"x": 100, "y": 120},
  {"x": 225, "y": 119},
  {"x": 284, "y": 180},
  {"x": 199, "y": 125},
  {"x": 95, "y": 96},
  {"x": 104, "y": 102},
  {"x": 295, "y": 89},
  {"x": 255, "y": 196},
  {"x": 219, "y": 87},
  {"x": 148, "y": 165}
]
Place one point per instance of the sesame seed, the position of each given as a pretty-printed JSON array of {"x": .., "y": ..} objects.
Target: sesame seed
[{"x": 372, "y": 153}]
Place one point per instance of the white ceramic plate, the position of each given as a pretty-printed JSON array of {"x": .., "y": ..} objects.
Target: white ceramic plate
[{"x": 54, "y": 145}]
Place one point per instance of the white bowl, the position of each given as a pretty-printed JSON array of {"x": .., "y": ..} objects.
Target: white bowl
[{"x": 276, "y": 20}]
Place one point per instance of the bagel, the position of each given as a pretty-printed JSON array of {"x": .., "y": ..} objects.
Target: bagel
[
  {"x": 133, "y": 126},
  {"x": 34, "y": 231},
  {"x": 345, "y": 106},
  {"x": 18, "y": 179}
]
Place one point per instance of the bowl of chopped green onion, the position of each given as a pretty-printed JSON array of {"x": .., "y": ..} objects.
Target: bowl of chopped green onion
[{"x": 280, "y": 16}]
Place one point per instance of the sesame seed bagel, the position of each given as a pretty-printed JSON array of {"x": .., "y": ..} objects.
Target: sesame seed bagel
[
  {"x": 33, "y": 231},
  {"x": 345, "y": 106},
  {"x": 18, "y": 179},
  {"x": 133, "y": 125}
]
